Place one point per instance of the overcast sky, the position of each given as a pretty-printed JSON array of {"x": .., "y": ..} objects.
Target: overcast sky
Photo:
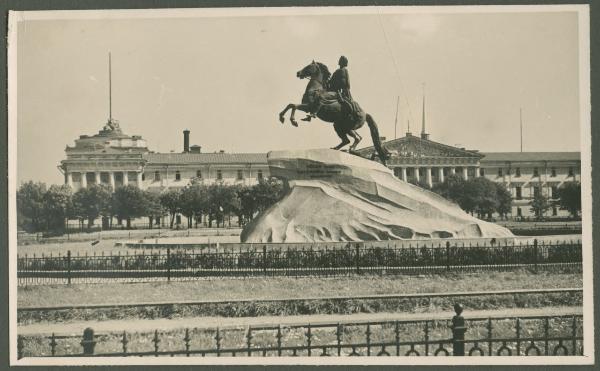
[{"x": 227, "y": 78}]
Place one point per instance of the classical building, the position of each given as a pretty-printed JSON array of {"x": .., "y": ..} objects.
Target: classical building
[
  {"x": 421, "y": 160},
  {"x": 114, "y": 158}
]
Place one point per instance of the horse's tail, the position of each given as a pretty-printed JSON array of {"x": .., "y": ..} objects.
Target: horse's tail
[{"x": 381, "y": 152}]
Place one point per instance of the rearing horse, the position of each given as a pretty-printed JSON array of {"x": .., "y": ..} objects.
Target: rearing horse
[{"x": 331, "y": 110}]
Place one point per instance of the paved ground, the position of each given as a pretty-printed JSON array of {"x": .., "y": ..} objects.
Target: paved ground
[{"x": 211, "y": 322}]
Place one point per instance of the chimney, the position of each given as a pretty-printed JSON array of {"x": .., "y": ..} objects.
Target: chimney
[
  {"x": 186, "y": 141},
  {"x": 195, "y": 149}
]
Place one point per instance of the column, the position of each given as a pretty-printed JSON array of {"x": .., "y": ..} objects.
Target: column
[
  {"x": 441, "y": 174},
  {"x": 476, "y": 172},
  {"x": 428, "y": 177},
  {"x": 453, "y": 170},
  {"x": 417, "y": 175},
  {"x": 404, "y": 174},
  {"x": 112, "y": 179},
  {"x": 83, "y": 179},
  {"x": 465, "y": 173},
  {"x": 125, "y": 178},
  {"x": 97, "y": 177},
  {"x": 70, "y": 180},
  {"x": 139, "y": 179}
]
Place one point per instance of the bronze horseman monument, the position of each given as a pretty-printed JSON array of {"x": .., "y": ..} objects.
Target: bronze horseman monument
[{"x": 339, "y": 196}]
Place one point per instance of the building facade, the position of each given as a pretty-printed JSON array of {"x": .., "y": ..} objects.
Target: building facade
[{"x": 114, "y": 158}]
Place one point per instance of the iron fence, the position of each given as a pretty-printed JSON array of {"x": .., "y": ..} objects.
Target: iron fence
[
  {"x": 493, "y": 336},
  {"x": 269, "y": 260}
]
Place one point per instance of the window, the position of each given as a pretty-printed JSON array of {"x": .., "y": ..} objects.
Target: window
[
  {"x": 219, "y": 175},
  {"x": 421, "y": 171},
  {"x": 536, "y": 191},
  {"x": 240, "y": 175},
  {"x": 157, "y": 175},
  {"x": 199, "y": 174},
  {"x": 500, "y": 172},
  {"x": 553, "y": 172},
  {"x": 519, "y": 213},
  {"x": 259, "y": 175},
  {"x": 143, "y": 176},
  {"x": 535, "y": 172},
  {"x": 554, "y": 211},
  {"x": 481, "y": 172},
  {"x": 409, "y": 171},
  {"x": 519, "y": 196},
  {"x": 177, "y": 175},
  {"x": 571, "y": 171},
  {"x": 554, "y": 192},
  {"x": 518, "y": 172}
]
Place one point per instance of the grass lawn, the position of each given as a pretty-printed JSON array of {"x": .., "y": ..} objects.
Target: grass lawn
[{"x": 285, "y": 287}]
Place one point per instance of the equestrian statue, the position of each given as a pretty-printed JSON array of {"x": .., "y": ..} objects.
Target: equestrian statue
[{"x": 330, "y": 100}]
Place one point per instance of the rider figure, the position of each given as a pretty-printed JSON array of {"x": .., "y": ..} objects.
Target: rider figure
[{"x": 339, "y": 83}]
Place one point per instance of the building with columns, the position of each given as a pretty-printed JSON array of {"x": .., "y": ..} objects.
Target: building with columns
[
  {"x": 524, "y": 174},
  {"x": 116, "y": 159}
]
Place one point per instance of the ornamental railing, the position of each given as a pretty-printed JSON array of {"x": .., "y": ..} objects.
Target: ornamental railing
[
  {"x": 492, "y": 336},
  {"x": 307, "y": 260}
]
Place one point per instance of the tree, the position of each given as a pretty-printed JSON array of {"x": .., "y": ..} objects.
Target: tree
[
  {"x": 91, "y": 202},
  {"x": 30, "y": 205},
  {"x": 452, "y": 188},
  {"x": 539, "y": 205},
  {"x": 170, "y": 200},
  {"x": 267, "y": 192},
  {"x": 569, "y": 198},
  {"x": 129, "y": 202},
  {"x": 504, "y": 200},
  {"x": 482, "y": 193},
  {"x": 152, "y": 208},
  {"x": 57, "y": 207}
]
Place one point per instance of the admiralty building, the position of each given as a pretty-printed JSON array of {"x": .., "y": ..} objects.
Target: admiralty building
[{"x": 115, "y": 158}]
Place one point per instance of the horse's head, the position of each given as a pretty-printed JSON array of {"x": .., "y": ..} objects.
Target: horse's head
[{"x": 312, "y": 70}]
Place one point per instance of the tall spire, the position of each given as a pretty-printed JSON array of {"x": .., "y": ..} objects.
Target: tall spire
[
  {"x": 109, "y": 88},
  {"x": 396, "y": 120},
  {"x": 112, "y": 124},
  {"x": 424, "y": 134},
  {"x": 521, "y": 123}
]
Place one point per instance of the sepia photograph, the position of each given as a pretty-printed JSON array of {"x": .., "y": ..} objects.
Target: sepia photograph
[{"x": 365, "y": 185}]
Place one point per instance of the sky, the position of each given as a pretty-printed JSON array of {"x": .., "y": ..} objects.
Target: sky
[{"x": 227, "y": 78}]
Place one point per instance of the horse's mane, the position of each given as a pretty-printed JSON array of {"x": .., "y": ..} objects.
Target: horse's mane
[{"x": 326, "y": 74}]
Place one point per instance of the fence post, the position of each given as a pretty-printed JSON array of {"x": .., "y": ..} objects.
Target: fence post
[
  {"x": 458, "y": 332},
  {"x": 265, "y": 260},
  {"x": 69, "y": 267},
  {"x": 447, "y": 255},
  {"x": 535, "y": 254},
  {"x": 168, "y": 264},
  {"x": 88, "y": 343},
  {"x": 357, "y": 258}
]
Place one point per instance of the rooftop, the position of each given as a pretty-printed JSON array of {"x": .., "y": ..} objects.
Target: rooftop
[
  {"x": 206, "y": 158},
  {"x": 531, "y": 156}
]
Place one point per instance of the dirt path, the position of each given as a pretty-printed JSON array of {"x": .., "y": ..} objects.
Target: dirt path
[{"x": 211, "y": 322}]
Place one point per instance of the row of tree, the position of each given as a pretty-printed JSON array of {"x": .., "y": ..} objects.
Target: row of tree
[
  {"x": 48, "y": 209},
  {"x": 483, "y": 197}
]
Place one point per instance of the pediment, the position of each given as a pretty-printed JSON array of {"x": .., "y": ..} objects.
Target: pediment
[{"x": 415, "y": 147}]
